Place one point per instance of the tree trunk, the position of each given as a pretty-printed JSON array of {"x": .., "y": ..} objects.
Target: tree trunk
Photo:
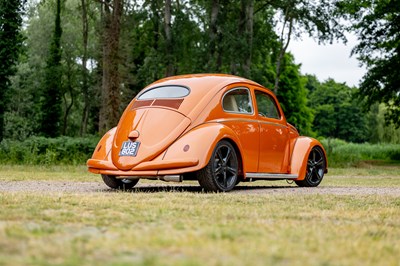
[
  {"x": 214, "y": 64},
  {"x": 109, "y": 114},
  {"x": 283, "y": 48},
  {"x": 67, "y": 106},
  {"x": 154, "y": 6},
  {"x": 249, "y": 15},
  {"x": 169, "y": 53},
  {"x": 10, "y": 43},
  {"x": 51, "y": 98},
  {"x": 85, "y": 86}
]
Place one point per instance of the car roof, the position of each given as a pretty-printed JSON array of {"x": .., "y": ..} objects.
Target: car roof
[
  {"x": 203, "y": 87},
  {"x": 201, "y": 81}
]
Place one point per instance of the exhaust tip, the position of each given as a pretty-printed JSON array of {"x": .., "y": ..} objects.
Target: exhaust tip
[{"x": 171, "y": 178}]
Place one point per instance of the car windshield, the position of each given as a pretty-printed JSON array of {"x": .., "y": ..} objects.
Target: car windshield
[{"x": 165, "y": 92}]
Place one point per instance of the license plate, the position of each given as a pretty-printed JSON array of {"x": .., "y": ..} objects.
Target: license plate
[{"x": 129, "y": 148}]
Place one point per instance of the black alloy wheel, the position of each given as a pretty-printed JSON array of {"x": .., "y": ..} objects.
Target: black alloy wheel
[
  {"x": 316, "y": 165},
  {"x": 221, "y": 172}
]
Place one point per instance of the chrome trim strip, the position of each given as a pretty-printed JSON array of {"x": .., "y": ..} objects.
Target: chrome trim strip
[
  {"x": 272, "y": 123},
  {"x": 271, "y": 176},
  {"x": 234, "y": 119},
  {"x": 248, "y": 120}
]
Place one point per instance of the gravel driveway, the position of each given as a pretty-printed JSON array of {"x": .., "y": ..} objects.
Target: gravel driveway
[{"x": 99, "y": 187}]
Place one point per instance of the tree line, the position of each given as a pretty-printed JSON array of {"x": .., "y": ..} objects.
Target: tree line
[{"x": 71, "y": 66}]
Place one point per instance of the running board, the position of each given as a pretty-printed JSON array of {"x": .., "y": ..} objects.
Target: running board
[{"x": 270, "y": 176}]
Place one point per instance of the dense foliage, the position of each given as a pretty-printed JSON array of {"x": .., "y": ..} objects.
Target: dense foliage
[
  {"x": 82, "y": 61},
  {"x": 377, "y": 24},
  {"x": 41, "y": 150},
  {"x": 10, "y": 43},
  {"x": 337, "y": 113}
]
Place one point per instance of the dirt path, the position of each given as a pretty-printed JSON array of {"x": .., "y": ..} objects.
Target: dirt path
[{"x": 98, "y": 187}]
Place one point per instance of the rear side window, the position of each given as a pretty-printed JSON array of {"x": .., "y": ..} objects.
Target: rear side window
[
  {"x": 165, "y": 92},
  {"x": 238, "y": 100}
]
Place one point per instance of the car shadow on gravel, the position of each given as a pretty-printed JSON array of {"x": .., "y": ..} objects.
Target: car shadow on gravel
[{"x": 198, "y": 189}]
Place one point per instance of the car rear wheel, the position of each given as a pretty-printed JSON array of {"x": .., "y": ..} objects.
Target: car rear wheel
[
  {"x": 116, "y": 183},
  {"x": 221, "y": 172},
  {"x": 316, "y": 165}
]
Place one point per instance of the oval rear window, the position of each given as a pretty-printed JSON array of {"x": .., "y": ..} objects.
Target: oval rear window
[{"x": 165, "y": 92}]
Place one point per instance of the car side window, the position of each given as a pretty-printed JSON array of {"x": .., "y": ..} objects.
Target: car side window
[
  {"x": 237, "y": 100},
  {"x": 266, "y": 105}
]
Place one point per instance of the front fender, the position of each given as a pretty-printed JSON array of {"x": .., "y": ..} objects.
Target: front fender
[
  {"x": 300, "y": 155},
  {"x": 199, "y": 143}
]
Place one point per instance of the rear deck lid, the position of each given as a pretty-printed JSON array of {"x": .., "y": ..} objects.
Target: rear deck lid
[{"x": 148, "y": 126}]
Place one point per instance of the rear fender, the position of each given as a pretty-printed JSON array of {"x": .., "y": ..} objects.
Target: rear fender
[
  {"x": 104, "y": 146},
  {"x": 301, "y": 150},
  {"x": 200, "y": 142}
]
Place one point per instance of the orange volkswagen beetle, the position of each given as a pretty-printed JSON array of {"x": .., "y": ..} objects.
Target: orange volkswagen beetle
[{"x": 217, "y": 129}]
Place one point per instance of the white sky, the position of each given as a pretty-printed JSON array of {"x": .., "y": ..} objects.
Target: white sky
[{"x": 328, "y": 61}]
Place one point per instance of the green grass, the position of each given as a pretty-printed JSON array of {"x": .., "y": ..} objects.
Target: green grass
[
  {"x": 198, "y": 229},
  {"x": 184, "y": 228},
  {"x": 52, "y": 172}
]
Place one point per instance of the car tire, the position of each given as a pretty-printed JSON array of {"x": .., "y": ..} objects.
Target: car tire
[
  {"x": 122, "y": 184},
  {"x": 221, "y": 172},
  {"x": 316, "y": 166}
]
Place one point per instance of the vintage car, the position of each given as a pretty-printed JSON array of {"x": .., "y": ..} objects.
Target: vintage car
[{"x": 217, "y": 129}]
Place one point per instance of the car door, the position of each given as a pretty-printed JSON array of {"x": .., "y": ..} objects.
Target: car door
[
  {"x": 239, "y": 113},
  {"x": 274, "y": 134}
]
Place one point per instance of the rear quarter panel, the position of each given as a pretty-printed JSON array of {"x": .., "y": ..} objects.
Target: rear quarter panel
[
  {"x": 199, "y": 143},
  {"x": 104, "y": 146}
]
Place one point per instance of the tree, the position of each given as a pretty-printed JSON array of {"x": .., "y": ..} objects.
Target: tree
[
  {"x": 214, "y": 36},
  {"x": 85, "y": 75},
  {"x": 317, "y": 18},
  {"x": 51, "y": 97},
  {"x": 168, "y": 39},
  {"x": 379, "y": 131},
  {"x": 10, "y": 44},
  {"x": 377, "y": 24},
  {"x": 110, "y": 93},
  {"x": 293, "y": 96},
  {"x": 337, "y": 113},
  {"x": 113, "y": 48}
]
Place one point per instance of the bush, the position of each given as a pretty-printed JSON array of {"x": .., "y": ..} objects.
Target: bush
[
  {"x": 40, "y": 150},
  {"x": 74, "y": 151},
  {"x": 343, "y": 154}
]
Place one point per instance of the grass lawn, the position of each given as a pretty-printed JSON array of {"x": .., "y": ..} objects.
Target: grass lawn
[{"x": 184, "y": 228}]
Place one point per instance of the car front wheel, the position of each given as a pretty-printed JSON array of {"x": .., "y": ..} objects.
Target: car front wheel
[
  {"x": 116, "y": 183},
  {"x": 316, "y": 165},
  {"x": 221, "y": 172}
]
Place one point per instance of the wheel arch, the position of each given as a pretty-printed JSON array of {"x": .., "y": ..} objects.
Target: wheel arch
[
  {"x": 301, "y": 151},
  {"x": 239, "y": 156}
]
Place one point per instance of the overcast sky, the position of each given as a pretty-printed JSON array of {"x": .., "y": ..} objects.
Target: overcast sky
[{"x": 328, "y": 61}]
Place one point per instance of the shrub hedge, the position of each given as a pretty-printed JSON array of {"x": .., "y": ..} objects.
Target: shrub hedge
[
  {"x": 74, "y": 151},
  {"x": 344, "y": 154},
  {"x": 48, "y": 151}
]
